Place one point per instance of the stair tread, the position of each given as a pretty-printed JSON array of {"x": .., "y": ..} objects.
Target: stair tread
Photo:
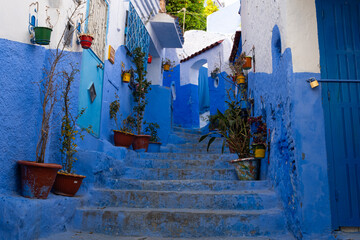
[
  {"x": 203, "y": 192},
  {"x": 82, "y": 235},
  {"x": 231, "y": 212}
]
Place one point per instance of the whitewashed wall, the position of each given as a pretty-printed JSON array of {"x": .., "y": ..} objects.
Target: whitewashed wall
[
  {"x": 226, "y": 20},
  {"x": 296, "y": 20}
]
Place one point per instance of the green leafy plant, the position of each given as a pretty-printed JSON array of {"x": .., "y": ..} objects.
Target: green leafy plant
[
  {"x": 236, "y": 67},
  {"x": 233, "y": 127},
  {"x": 142, "y": 86},
  {"x": 152, "y": 130},
  {"x": 69, "y": 130},
  {"x": 128, "y": 123},
  {"x": 168, "y": 62}
]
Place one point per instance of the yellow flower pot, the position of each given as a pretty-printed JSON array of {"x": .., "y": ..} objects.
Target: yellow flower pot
[
  {"x": 259, "y": 153},
  {"x": 240, "y": 79},
  {"x": 166, "y": 67},
  {"x": 126, "y": 77}
]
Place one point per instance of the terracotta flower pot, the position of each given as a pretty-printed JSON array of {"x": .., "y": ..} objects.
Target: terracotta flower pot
[
  {"x": 67, "y": 184},
  {"x": 149, "y": 60},
  {"x": 86, "y": 41},
  {"x": 141, "y": 142},
  {"x": 37, "y": 179},
  {"x": 154, "y": 147},
  {"x": 247, "y": 168},
  {"x": 123, "y": 139},
  {"x": 247, "y": 64}
]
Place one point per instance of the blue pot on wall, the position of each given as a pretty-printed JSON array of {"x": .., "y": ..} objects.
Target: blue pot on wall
[{"x": 154, "y": 147}]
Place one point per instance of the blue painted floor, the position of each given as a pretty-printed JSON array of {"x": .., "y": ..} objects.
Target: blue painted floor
[{"x": 181, "y": 193}]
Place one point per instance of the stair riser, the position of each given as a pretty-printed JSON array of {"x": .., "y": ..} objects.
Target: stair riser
[
  {"x": 196, "y": 150},
  {"x": 142, "y": 199},
  {"x": 177, "y": 224},
  {"x": 188, "y": 156},
  {"x": 182, "y": 174},
  {"x": 179, "y": 164},
  {"x": 186, "y": 185}
]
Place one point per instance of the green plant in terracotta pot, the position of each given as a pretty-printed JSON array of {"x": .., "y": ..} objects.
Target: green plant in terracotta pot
[
  {"x": 142, "y": 87},
  {"x": 154, "y": 142},
  {"x": 123, "y": 135},
  {"x": 37, "y": 178},
  {"x": 67, "y": 183}
]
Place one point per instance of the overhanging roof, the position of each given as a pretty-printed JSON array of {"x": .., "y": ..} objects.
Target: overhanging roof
[
  {"x": 202, "y": 51},
  {"x": 167, "y": 30}
]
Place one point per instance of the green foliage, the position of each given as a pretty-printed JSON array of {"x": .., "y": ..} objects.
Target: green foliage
[
  {"x": 151, "y": 129},
  {"x": 69, "y": 131},
  {"x": 128, "y": 123},
  {"x": 195, "y": 17},
  {"x": 233, "y": 127},
  {"x": 142, "y": 87},
  {"x": 210, "y": 7}
]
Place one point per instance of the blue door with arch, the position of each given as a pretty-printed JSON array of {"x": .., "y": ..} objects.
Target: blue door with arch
[{"x": 339, "y": 41}]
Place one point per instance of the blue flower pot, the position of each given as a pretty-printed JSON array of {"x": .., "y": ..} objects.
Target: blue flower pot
[{"x": 154, "y": 147}]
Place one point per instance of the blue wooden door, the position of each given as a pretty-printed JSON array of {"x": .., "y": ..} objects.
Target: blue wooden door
[
  {"x": 339, "y": 41},
  {"x": 90, "y": 91}
]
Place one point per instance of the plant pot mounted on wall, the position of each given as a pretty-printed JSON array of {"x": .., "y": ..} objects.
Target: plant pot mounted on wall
[
  {"x": 42, "y": 35},
  {"x": 126, "y": 77},
  {"x": 247, "y": 64},
  {"x": 86, "y": 40}
]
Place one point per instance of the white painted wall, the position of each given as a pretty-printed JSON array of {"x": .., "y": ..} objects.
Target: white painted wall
[
  {"x": 296, "y": 20},
  {"x": 226, "y": 20}
]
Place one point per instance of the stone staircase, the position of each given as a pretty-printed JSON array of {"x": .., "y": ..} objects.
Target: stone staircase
[{"x": 181, "y": 193}]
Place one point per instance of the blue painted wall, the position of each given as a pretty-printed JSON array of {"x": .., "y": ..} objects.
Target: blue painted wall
[{"x": 298, "y": 163}]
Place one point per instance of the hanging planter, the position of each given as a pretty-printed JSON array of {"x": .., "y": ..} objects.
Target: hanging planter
[
  {"x": 240, "y": 79},
  {"x": 123, "y": 139},
  {"x": 67, "y": 184},
  {"x": 141, "y": 142},
  {"x": 247, "y": 64},
  {"x": 86, "y": 40},
  {"x": 126, "y": 77},
  {"x": 149, "y": 60},
  {"x": 247, "y": 168},
  {"x": 42, "y": 35},
  {"x": 37, "y": 179},
  {"x": 166, "y": 67},
  {"x": 259, "y": 150}
]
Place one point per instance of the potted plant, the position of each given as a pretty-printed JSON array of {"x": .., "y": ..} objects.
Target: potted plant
[
  {"x": 215, "y": 72},
  {"x": 167, "y": 64},
  {"x": 123, "y": 136},
  {"x": 86, "y": 40},
  {"x": 42, "y": 35},
  {"x": 247, "y": 63},
  {"x": 142, "y": 86},
  {"x": 236, "y": 68},
  {"x": 37, "y": 178},
  {"x": 154, "y": 141},
  {"x": 234, "y": 129},
  {"x": 126, "y": 75},
  {"x": 67, "y": 183},
  {"x": 259, "y": 136}
]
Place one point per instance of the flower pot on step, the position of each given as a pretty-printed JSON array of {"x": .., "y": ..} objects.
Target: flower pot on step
[
  {"x": 154, "y": 147},
  {"x": 67, "y": 184},
  {"x": 123, "y": 139},
  {"x": 247, "y": 168},
  {"x": 141, "y": 143},
  {"x": 37, "y": 179}
]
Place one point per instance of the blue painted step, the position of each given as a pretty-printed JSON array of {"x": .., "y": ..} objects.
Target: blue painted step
[
  {"x": 179, "y": 174},
  {"x": 236, "y": 200},
  {"x": 180, "y": 164},
  {"x": 189, "y": 156},
  {"x": 186, "y": 185},
  {"x": 177, "y": 223}
]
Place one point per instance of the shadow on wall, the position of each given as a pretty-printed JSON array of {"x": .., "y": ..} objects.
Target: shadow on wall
[{"x": 290, "y": 107}]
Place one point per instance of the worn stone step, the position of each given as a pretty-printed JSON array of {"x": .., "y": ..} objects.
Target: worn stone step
[
  {"x": 177, "y": 223},
  {"x": 187, "y": 156},
  {"x": 187, "y": 130},
  {"x": 236, "y": 200},
  {"x": 82, "y": 235},
  {"x": 186, "y": 185},
  {"x": 179, "y": 174},
  {"x": 182, "y": 164}
]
